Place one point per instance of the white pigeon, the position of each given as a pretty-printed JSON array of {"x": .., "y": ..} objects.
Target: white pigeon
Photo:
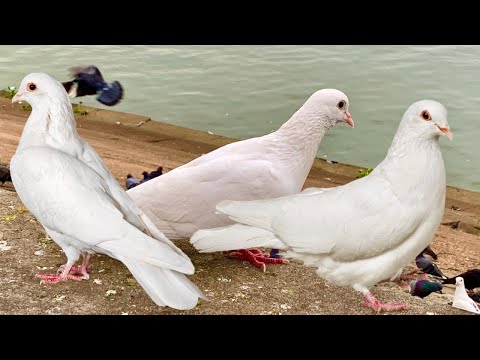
[
  {"x": 461, "y": 300},
  {"x": 183, "y": 200},
  {"x": 67, "y": 187},
  {"x": 361, "y": 233}
]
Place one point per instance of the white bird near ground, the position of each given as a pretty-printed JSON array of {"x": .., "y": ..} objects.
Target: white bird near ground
[
  {"x": 361, "y": 233},
  {"x": 461, "y": 300},
  {"x": 67, "y": 187},
  {"x": 183, "y": 200}
]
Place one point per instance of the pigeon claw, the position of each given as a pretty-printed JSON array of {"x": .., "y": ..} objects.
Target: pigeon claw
[
  {"x": 256, "y": 258},
  {"x": 54, "y": 278},
  {"x": 391, "y": 306},
  {"x": 76, "y": 270}
]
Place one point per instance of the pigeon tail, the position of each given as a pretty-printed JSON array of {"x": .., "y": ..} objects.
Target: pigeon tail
[
  {"x": 164, "y": 286},
  {"x": 234, "y": 237}
]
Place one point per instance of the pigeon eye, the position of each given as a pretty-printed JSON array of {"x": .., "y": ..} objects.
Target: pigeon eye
[
  {"x": 341, "y": 104},
  {"x": 426, "y": 115},
  {"x": 31, "y": 87}
]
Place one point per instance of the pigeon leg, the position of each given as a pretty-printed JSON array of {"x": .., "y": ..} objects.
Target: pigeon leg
[
  {"x": 256, "y": 258},
  {"x": 82, "y": 270}
]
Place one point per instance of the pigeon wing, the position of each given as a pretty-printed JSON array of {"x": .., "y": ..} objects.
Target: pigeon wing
[
  {"x": 111, "y": 94},
  {"x": 370, "y": 219},
  {"x": 131, "y": 212},
  {"x": 71, "y": 199},
  {"x": 183, "y": 200}
]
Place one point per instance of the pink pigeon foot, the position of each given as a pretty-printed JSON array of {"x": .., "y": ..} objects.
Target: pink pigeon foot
[
  {"x": 82, "y": 270},
  {"x": 66, "y": 272},
  {"x": 75, "y": 270},
  {"x": 377, "y": 306},
  {"x": 256, "y": 258}
]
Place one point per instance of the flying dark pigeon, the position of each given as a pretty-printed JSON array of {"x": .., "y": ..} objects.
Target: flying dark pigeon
[
  {"x": 4, "y": 174},
  {"x": 131, "y": 181},
  {"x": 471, "y": 279},
  {"x": 428, "y": 267},
  {"x": 89, "y": 81},
  {"x": 423, "y": 288},
  {"x": 156, "y": 173}
]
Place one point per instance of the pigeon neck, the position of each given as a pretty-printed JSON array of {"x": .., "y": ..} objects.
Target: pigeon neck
[
  {"x": 297, "y": 141},
  {"x": 403, "y": 144},
  {"x": 52, "y": 125},
  {"x": 415, "y": 169},
  {"x": 305, "y": 130},
  {"x": 460, "y": 289}
]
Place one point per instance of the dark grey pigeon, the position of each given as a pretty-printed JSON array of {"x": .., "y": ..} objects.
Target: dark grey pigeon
[
  {"x": 157, "y": 172},
  {"x": 428, "y": 267},
  {"x": 4, "y": 174},
  {"x": 146, "y": 177},
  {"x": 131, "y": 182},
  {"x": 423, "y": 288}
]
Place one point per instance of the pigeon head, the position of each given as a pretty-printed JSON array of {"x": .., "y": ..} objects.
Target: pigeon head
[
  {"x": 459, "y": 281},
  {"x": 330, "y": 102},
  {"x": 427, "y": 119},
  {"x": 36, "y": 88}
]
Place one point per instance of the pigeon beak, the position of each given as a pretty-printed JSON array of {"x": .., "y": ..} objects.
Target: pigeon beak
[
  {"x": 17, "y": 97},
  {"x": 349, "y": 119},
  {"x": 446, "y": 132}
]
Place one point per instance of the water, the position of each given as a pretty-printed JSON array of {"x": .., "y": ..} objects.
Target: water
[{"x": 245, "y": 91}]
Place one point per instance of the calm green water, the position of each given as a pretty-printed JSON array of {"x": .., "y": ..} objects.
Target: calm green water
[{"x": 245, "y": 91}]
